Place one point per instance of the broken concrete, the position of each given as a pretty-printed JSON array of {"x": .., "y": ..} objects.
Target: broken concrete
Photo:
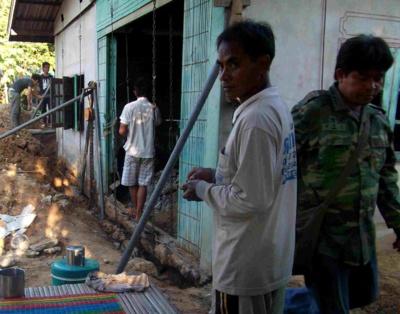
[
  {"x": 8, "y": 261},
  {"x": 44, "y": 244},
  {"x": 138, "y": 264},
  {"x": 158, "y": 244},
  {"x": 52, "y": 250}
]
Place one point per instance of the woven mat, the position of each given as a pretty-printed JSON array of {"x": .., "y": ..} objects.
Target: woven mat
[{"x": 105, "y": 303}]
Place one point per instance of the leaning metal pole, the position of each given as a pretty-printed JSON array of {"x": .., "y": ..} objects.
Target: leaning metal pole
[
  {"x": 27, "y": 123},
  {"x": 168, "y": 168},
  {"x": 99, "y": 154}
]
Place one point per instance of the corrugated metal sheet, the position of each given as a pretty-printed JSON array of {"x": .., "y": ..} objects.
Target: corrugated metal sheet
[
  {"x": 149, "y": 301},
  {"x": 33, "y": 20}
]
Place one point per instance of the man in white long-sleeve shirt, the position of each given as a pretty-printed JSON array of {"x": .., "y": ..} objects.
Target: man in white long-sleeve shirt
[{"x": 253, "y": 190}]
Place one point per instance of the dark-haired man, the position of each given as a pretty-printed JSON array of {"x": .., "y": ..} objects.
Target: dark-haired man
[
  {"x": 45, "y": 81},
  {"x": 138, "y": 121},
  {"x": 15, "y": 95},
  {"x": 328, "y": 126},
  {"x": 253, "y": 191}
]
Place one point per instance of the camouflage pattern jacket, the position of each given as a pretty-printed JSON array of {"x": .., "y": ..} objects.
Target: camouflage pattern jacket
[{"x": 326, "y": 135}]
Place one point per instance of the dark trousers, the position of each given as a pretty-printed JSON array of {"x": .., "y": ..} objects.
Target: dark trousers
[
  {"x": 45, "y": 107},
  {"x": 338, "y": 287}
]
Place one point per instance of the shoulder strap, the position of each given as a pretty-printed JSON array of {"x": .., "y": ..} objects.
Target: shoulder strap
[{"x": 351, "y": 163}]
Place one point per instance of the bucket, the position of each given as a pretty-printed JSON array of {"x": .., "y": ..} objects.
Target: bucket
[
  {"x": 75, "y": 255},
  {"x": 12, "y": 282},
  {"x": 62, "y": 272}
]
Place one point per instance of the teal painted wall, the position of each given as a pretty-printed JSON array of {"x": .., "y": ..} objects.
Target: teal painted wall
[
  {"x": 202, "y": 23},
  {"x": 102, "y": 68},
  {"x": 391, "y": 88},
  {"x": 110, "y": 11}
]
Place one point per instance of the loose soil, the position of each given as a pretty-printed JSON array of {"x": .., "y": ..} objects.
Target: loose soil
[{"x": 30, "y": 173}]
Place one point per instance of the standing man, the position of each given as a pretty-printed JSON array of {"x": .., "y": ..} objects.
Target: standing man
[
  {"x": 253, "y": 190},
  {"x": 138, "y": 122},
  {"x": 328, "y": 126},
  {"x": 15, "y": 95},
  {"x": 45, "y": 82}
]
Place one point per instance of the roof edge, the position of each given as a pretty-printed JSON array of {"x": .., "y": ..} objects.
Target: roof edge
[{"x": 10, "y": 19}]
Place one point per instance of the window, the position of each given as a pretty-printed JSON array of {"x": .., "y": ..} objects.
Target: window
[{"x": 71, "y": 117}]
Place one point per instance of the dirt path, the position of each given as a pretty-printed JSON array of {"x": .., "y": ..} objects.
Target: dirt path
[{"x": 30, "y": 174}]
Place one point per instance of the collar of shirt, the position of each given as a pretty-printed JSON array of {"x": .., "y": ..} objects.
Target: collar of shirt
[
  {"x": 338, "y": 103},
  {"x": 272, "y": 90}
]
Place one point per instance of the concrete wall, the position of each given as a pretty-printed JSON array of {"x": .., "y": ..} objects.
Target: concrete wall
[
  {"x": 75, "y": 56},
  {"x": 309, "y": 33}
]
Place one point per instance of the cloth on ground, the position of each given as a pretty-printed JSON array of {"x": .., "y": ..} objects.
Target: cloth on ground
[{"x": 117, "y": 283}]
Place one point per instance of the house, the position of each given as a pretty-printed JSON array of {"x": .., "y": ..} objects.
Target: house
[{"x": 113, "y": 42}]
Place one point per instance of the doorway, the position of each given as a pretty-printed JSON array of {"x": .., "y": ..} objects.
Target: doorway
[{"x": 134, "y": 58}]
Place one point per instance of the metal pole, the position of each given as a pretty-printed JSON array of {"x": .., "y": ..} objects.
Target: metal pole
[
  {"x": 168, "y": 168},
  {"x": 27, "y": 123},
  {"x": 41, "y": 101},
  {"x": 100, "y": 164}
]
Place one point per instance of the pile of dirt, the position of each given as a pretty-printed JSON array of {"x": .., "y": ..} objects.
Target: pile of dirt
[{"x": 22, "y": 149}]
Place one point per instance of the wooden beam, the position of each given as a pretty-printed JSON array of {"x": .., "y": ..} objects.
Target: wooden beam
[
  {"x": 35, "y": 20},
  {"x": 32, "y": 38},
  {"x": 37, "y": 2}
]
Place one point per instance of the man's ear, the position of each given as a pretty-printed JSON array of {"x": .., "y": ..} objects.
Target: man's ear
[
  {"x": 339, "y": 74},
  {"x": 264, "y": 63}
]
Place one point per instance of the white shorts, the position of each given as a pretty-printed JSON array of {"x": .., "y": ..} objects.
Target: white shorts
[{"x": 137, "y": 171}]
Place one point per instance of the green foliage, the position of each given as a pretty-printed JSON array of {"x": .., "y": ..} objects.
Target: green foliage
[{"x": 19, "y": 59}]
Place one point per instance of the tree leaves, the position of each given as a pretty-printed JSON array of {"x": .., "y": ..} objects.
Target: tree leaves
[{"x": 19, "y": 59}]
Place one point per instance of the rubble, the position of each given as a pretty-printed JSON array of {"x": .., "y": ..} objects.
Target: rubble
[
  {"x": 52, "y": 250},
  {"x": 138, "y": 264},
  {"x": 46, "y": 200},
  {"x": 44, "y": 244},
  {"x": 31, "y": 253},
  {"x": 8, "y": 261},
  {"x": 19, "y": 242},
  {"x": 156, "y": 243}
]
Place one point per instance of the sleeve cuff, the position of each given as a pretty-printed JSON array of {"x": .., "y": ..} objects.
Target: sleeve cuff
[{"x": 201, "y": 188}]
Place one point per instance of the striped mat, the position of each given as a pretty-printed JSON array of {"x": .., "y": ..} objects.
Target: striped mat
[{"x": 105, "y": 303}]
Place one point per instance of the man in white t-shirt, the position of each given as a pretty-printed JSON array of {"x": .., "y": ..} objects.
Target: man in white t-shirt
[
  {"x": 138, "y": 121},
  {"x": 253, "y": 190}
]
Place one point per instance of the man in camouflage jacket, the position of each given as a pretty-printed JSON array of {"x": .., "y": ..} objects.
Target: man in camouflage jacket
[{"x": 327, "y": 125}]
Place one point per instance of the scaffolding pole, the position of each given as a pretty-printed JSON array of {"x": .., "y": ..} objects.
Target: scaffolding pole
[{"x": 38, "y": 118}]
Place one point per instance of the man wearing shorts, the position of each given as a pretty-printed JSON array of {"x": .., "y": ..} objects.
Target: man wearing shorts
[{"x": 138, "y": 121}]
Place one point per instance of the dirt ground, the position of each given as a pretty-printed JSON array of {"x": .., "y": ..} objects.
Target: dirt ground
[{"x": 30, "y": 174}]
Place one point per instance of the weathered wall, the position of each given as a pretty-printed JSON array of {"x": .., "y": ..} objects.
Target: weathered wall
[
  {"x": 309, "y": 34},
  {"x": 298, "y": 29},
  {"x": 73, "y": 57}
]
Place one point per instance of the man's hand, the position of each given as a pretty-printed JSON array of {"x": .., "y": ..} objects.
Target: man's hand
[
  {"x": 123, "y": 129},
  {"x": 206, "y": 174},
  {"x": 189, "y": 189},
  {"x": 396, "y": 244}
]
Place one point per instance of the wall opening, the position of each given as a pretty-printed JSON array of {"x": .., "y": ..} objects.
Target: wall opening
[{"x": 134, "y": 46}]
